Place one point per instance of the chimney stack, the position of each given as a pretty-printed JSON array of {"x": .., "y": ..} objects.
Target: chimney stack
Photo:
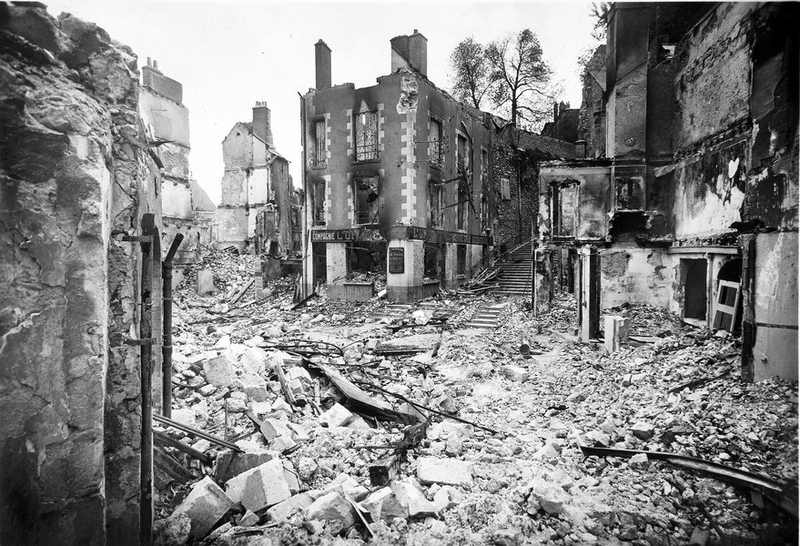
[
  {"x": 410, "y": 51},
  {"x": 322, "y": 55},
  {"x": 261, "y": 122}
]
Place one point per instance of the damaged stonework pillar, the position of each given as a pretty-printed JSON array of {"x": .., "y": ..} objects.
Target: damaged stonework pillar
[
  {"x": 589, "y": 293},
  {"x": 404, "y": 269},
  {"x": 616, "y": 332},
  {"x": 336, "y": 274},
  {"x": 542, "y": 280}
]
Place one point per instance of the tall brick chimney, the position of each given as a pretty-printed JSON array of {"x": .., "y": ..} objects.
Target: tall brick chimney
[
  {"x": 322, "y": 56},
  {"x": 410, "y": 51},
  {"x": 262, "y": 126}
]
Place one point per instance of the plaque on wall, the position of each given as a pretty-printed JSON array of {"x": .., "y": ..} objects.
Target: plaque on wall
[{"x": 397, "y": 260}]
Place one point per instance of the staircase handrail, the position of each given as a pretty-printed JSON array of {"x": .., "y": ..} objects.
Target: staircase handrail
[{"x": 508, "y": 252}]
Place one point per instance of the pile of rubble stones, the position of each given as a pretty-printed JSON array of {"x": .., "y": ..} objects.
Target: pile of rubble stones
[{"x": 499, "y": 459}]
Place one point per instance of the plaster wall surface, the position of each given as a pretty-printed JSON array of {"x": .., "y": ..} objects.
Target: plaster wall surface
[
  {"x": 775, "y": 349},
  {"x": 176, "y": 200},
  {"x": 168, "y": 119},
  {"x": 634, "y": 275}
]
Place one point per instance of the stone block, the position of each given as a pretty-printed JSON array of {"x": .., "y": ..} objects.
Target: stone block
[
  {"x": 349, "y": 485},
  {"x": 444, "y": 471},
  {"x": 333, "y": 507},
  {"x": 337, "y": 416},
  {"x": 549, "y": 497},
  {"x": 172, "y": 531},
  {"x": 642, "y": 430},
  {"x": 616, "y": 332},
  {"x": 413, "y": 499},
  {"x": 260, "y": 487},
  {"x": 205, "y": 505},
  {"x": 515, "y": 373},
  {"x": 638, "y": 461},
  {"x": 446, "y": 498},
  {"x": 283, "y": 511},
  {"x": 218, "y": 371},
  {"x": 249, "y": 519},
  {"x": 205, "y": 282},
  {"x": 253, "y": 361},
  {"x": 384, "y": 505}
]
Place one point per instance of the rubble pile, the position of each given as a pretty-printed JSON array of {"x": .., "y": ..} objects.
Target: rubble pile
[{"x": 341, "y": 423}]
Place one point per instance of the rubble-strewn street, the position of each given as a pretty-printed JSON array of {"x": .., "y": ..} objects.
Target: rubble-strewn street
[{"x": 515, "y": 475}]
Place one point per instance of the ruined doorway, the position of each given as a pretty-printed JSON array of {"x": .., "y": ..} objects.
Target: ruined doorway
[
  {"x": 320, "y": 263},
  {"x": 695, "y": 292},
  {"x": 731, "y": 272}
]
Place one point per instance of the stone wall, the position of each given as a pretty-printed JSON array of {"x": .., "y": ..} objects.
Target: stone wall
[{"x": 76, "y": 176}]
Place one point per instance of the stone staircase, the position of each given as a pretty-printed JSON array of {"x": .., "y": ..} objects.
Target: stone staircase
[
  {"x": 516, "y": 272},
  {"x": 487, "y": 316}
]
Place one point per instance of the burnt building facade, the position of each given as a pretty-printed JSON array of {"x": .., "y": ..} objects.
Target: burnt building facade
[
  {"x": 255, "y": 212},
  {"x": 396, "y": 178},
  {"x": 691, "y": 198},
  {"x": 186, "y": 207}
]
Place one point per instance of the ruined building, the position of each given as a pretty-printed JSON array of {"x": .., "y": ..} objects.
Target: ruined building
[
  {"x": 256, "y": 212},
  {"x": 80, "y": 310},
  {"x": 396, "y": 179},
  {"x": 688, "y": 190},
  {"x": 187, "y": 209}
]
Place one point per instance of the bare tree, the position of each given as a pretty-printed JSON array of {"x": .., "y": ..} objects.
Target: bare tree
[
  {"x": 469, "y": 72},
  {"x": 519, "y": 76}
]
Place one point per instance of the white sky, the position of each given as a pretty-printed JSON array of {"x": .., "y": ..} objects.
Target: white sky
[{"x": 229, "y": 55}]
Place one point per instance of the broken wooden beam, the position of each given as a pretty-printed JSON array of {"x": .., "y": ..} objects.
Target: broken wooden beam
[
  {"x": 199, "y": 433},
  {"x": 383, "y": 471},
  {"x": 168, "y": 468},
  {"x": 238, "y": 295},
  {"x": 165, "y": 440},
  {"x": 697, "y": 382}
]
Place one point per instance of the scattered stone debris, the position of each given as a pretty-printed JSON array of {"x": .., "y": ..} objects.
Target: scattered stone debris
[{"x": 357, "y": 399}]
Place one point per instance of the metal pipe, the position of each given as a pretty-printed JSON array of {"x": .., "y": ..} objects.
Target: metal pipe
[
  {"x": 166, "y": 348},
  {"x": 150, "y": 252}
]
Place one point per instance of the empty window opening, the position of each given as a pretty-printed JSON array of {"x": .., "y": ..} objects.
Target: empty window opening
[
  {"x": 461, "y": 260},
  {"x": 318, "y": 203},
  {"x": 695, "y": 293},
  {"x": 505, "y": 189},
  {"x": 434, "y": 203},
  {"x": 431, "y": 261},
  {"x": 484, "y": 212},
  {"x": 462, "y": 157},
  {"x": 565, "y": 210},
  {"x": 463, "y": 203},
  {"x": 365, "y": 260},
  {"x": 320, "y": 149},
  {"x": 366, "y": 200},
  {"x": 366, "y": 128},
  {"x": 435, "y": 141},
  {"x": 629, "y": 194}
]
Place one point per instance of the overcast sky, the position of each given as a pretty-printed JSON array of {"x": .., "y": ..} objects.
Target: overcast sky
[{"x": 229, "y": 55}]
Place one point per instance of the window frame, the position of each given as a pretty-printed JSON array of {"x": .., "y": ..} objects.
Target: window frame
[
  {"x": 373, "y": 212},
  {"x": 318, "y": 212},
  {"x": 437, "y": 158},
  {"x": 364, "y": 153},
  {"x": 320, "y": 151}
]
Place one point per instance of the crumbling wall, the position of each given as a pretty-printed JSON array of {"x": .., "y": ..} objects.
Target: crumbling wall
[
  {"x": 75, "y": 176},
  {"x": 513, "y": 217},
  {"x": 634, "y": 275},
  {"x": 713, "y": 79}
]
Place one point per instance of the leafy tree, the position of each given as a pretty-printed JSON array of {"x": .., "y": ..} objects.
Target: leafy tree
[
  {"x": 519, "y": 75},
  {"x": 469, "y": 72},
  {"x": 510, "y": 72}
]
